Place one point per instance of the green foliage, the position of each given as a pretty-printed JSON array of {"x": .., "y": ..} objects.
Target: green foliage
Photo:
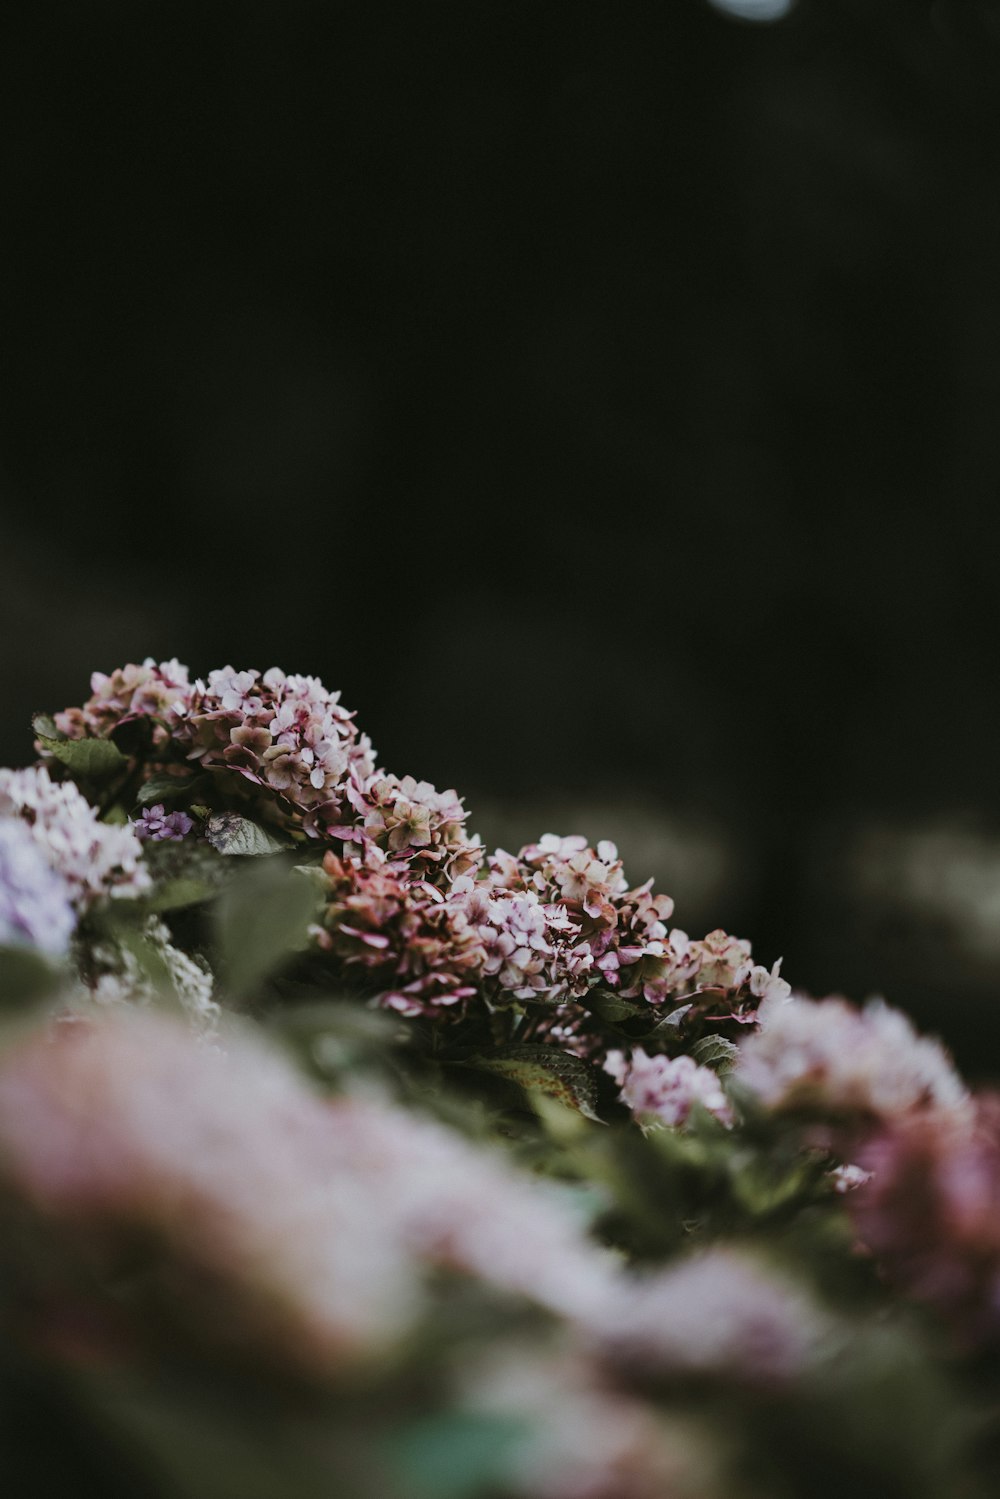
[
  {"x": 262, "y": 917},
  {"x": 162, "y": 787},
  {"x": 234, "y": 835},
  {"x": 545, "y": 1071},
  {"x": 89, "y": 759},
  {"x": 457, "y": 1455},
  {"x": 26, "y": 978}
]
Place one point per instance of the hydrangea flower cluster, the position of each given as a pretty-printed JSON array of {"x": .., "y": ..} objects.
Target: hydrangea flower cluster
[
  {"x": 666, "y": 1088},
  {"x": 94, "y": 858},
  {"x": 835, "y": 1059},
  {"x": 410, "y": 822},
  {"x": 416, "y": 945},
  {"x": 929, "y": 1210},
  {"x": 158, "y": 692},
  {"x": 285, "y": 734},
  {"x": 35, "y": 906}
]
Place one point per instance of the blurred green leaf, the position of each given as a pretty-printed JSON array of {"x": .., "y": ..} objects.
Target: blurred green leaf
[
  {"x": 611, "y": 1007},
  {"x": 456, "y": 1456},
  {"x": 261, "y": 919},
  {"x": 185, "y": 873},
  {"x": 26, "y": 977}
]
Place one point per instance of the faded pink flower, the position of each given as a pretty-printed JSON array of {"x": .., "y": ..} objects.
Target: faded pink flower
[
  {"x": 148, "y": 691},
  {"x": 930, "y": 1212},
  {"x": 666, "y": 1089},
  {"x": 286, "y": 735},
  {"x": 266, "y": 1220},
  {"x": 722, "y": 1314},
  {"x": 414, "y": 944},
  {"x": 410, "y": 822},
  {"x": 832, "y": 1058}
]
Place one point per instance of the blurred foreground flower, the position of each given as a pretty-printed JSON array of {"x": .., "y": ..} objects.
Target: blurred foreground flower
[
  {"x": 241, "y": 1212},
  {"x": 930, "y": 1213},
  {"x": 829, "y": 1057},
  {"x": 35, "y": 907}
]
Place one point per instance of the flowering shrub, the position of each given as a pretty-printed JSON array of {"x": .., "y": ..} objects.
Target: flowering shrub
[{"x": 504, "y": 1187}]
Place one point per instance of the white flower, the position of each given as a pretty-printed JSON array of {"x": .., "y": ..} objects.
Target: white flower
[{"x": 95, "y": 858}]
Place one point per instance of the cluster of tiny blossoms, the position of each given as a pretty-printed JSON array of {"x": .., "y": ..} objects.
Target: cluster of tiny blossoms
[
  {"x": 415, "y": 945},
  {"x": 410, "y": 822},
  {"x": 35, "y": 907},
  {"x": 94, "y": 858},
  {"x": 666, "y": 1089},
  {"x": 285, "y": 734},
  {"x": 831, "y": 1058},
  {"x": 159, "y": 692}
]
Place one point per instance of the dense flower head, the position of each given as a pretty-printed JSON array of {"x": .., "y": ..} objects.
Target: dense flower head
[
  {"x": 411, "y": 822},
  {"x": 929, "y": 1210},
  {"x": 95, "y": 858},
  {"x": 282, "y": 1221},
  {"x": 666, "y": 1088},
  {"x": 35, "y": 906},
  {"x": 417, "y": 945},
  {"x": 832, "y": 1058},
  {"x": 618, "y": 936},
  {"x": 152, "y": 691},
  {"x": 287, "y": 735}
]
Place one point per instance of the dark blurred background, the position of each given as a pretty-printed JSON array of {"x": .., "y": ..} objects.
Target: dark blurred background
[{"x": 603, "y": 395}]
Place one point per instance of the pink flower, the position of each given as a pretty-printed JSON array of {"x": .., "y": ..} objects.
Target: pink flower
[
  {"x": 832, "y": 1058},
  {"x": 930, "y": 1212},
  {"x": 146, "y": 691},
  {"x": 286, "y": 735},
  {"x": 666, "y": 1089}
]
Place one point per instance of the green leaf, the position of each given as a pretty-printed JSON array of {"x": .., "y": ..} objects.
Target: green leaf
[
  {"x": 547, "y": 1071},
  {"x": 456, "y": 1456},
  {"x": 184, "y": 874},
  {"x": 93, "y": 759},
  {"x": 715, "y": 1051},
  {"x": 164, "y": 788},
  {"x": 611, "y": 1007},
  {"x": 44, "y": 726},
  {"x": 262, "y": 918},
  {"x": 233, "y": 834},
  {"x": 26, "y": 977}
]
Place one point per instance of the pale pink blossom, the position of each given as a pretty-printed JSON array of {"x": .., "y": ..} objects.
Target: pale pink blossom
[{"x": 666, "y": 1089}]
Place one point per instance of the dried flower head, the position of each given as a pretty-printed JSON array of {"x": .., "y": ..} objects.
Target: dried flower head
[
  {"x": 411, "y": 823},
  {"x": 158, "y": 692},
  {"x": 285, "y": 735},
  {"x": 414, "y": 944}
]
